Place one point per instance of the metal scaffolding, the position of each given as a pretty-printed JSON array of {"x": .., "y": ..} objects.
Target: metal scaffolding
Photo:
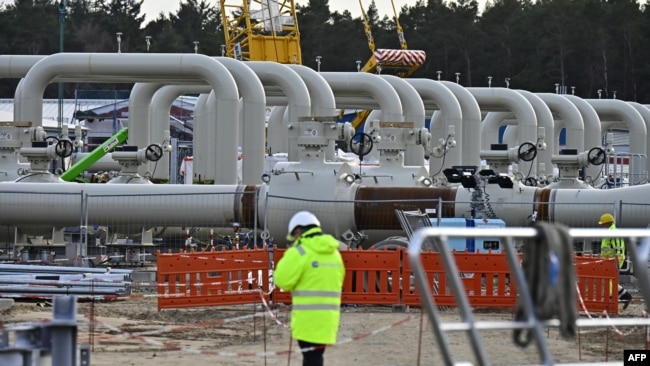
[{"x": 639, "y": 251}]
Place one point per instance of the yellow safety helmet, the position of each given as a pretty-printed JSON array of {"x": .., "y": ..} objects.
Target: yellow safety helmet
[{"x": 606, "y": 219}]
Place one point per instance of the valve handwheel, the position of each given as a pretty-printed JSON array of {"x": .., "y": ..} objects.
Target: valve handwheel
[
  {"x": 530, "y": 182},
  {"x": 527, "y": 151},
  {"x": 361, "y": 144},
  {"x": 596, "y": 156},
  {"x": 63, "y": 148},
  {"x": 153, "y": 152}
]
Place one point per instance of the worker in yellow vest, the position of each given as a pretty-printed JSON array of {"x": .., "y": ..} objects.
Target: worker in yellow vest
[
  {"x": 613, "y": 247},
  {"x": 312, "y": 269}
]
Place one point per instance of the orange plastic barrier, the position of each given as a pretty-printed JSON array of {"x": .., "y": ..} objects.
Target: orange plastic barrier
[
  {"x": 378, "y": 277},
  {"x": 369, "y": 277},
  {"x": 598, "y": 283},
  {"x": 211, "y": 278},
  {"x": 486, "y": 278},
  {"x": 487, "y": 282},
  {"x": 372, "y": 277}
]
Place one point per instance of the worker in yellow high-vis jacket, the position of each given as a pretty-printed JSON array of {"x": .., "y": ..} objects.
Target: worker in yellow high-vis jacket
[
  {"x": 614, "y": 247},
  {"x": 312, "y": 269}
]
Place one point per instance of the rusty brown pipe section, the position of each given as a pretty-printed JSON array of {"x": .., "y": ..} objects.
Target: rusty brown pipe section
[
  {"x": 541, "y": 204},
  {"x": 247, "y": 204},
  {"x": 374, "y": 208}
]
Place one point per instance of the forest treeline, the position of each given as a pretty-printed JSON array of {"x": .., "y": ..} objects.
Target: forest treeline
[{"x": 594, "y": 48}]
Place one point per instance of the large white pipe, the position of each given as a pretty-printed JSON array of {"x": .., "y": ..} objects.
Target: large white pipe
[
  {"x": 363, "y": 90},
  {"x": 499, "y": 99},
  {"x": 293, "y": 86},
  {"x": 593, "y": 134},
  {"x": 322, "y": 105},
  {"x": 213, "y": 205},
  {"x": 322, "y": 98},
  {"x": 545, "y": 119},
  {"x": 253, "y": 127},
  {"x": 140, "y": 117},
  {"x": 357, "y": 102},
  {"x": 104, "y": 164},
  {"x": 617, "y": 110},
  {"x": 569, "y": 118},
  {"x": 118, "y": 204},
  {"x": 180, "y": 68},
  {"x": 275, "y": 130},
  {"x": 135, "y": 67},
  {"x": 413, "y": 109},
  {"x": 373, "y": 156},
  {"x": 437, "y": 94},
  {"x": 14, "y": 67},
  {"x": 222, "y": 145},
  {"x": 139, "y": 105},
  {"x": 510, "y": 134},
  {"x": 17, "y": 66},
  {"x": 360, "y": 83},
  {"x": 491, "y": 125},
  {"x": 161, "y": 103},
  {"x": 645, "y": 113},
  {"x": 200, "y": 138},
  {"x": 471, "y": 125}
]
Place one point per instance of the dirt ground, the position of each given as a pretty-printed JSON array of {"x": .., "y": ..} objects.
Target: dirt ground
[{"x": 133, "y": 332}]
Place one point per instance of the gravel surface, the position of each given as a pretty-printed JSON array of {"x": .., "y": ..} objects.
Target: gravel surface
[{"x": 133, "y": 332}]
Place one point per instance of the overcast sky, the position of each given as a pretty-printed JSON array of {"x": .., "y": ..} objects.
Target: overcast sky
[{"x": 152, "y": 8}]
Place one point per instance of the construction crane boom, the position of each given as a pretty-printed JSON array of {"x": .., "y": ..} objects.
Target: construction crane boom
[
  {"x": 400, "y": 30},
  {"x": 367, "y": 29},
  {"x": 400, "y": 62}
]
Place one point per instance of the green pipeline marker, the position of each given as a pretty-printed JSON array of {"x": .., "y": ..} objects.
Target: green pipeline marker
[{"x": 90, "y": 159}]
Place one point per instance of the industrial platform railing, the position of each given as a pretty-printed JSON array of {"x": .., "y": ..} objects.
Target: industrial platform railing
[{"x": 638, "y": 248}]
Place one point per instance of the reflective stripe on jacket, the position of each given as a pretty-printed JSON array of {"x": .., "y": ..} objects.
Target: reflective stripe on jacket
[
  {"x": 613, "y": 247},
  {"x": 312, "y": 269}
]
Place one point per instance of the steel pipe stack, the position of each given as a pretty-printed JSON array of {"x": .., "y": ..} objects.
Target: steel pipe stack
[{"x": 49, "y": 281}]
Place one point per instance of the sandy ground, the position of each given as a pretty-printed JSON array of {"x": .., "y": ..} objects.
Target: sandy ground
[{"x": 134, "y": 332}]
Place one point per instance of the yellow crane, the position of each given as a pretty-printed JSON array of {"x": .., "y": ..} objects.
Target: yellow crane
[
  {"x": 402, "y": 62},
  {"x": 261, "y": 30}
]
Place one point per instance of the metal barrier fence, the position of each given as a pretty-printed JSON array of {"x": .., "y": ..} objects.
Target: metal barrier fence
[
  {"x": 602, "y": 289},
  {"x": 53, "y": 343}
]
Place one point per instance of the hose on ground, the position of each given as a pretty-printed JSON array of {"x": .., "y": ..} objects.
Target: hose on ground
[{"x": 550, "y": 275}]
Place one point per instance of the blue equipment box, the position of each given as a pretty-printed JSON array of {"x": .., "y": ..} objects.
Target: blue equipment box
[{"x": 472, "y": 244}]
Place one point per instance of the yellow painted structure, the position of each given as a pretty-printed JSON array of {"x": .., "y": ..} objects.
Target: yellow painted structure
[{"x": 261, "y": 30}]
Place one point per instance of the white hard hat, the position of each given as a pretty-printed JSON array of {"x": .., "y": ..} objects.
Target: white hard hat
[{"x": 302, "y": 218}]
